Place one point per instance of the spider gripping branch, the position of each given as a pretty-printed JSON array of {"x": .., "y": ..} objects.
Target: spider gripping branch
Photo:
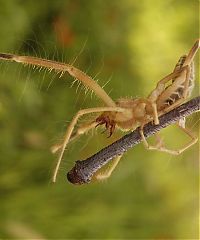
[
  {"x": 83, "y": 171},
  {"x": 125, "y": 114}
]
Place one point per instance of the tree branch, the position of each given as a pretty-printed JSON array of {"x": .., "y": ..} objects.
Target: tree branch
[{"x": 83, "y": 171}]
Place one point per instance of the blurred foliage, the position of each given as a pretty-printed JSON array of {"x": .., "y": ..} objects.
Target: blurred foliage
[{"x": 150, "y": 195}]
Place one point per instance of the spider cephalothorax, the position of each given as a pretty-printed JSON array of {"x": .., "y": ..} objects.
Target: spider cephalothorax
[{"x": 134, "y": 114}]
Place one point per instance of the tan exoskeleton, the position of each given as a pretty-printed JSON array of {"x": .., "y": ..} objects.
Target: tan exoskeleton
[{"x": 126, "y": 114}]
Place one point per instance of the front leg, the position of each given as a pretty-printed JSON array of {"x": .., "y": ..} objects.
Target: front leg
[
  {"x": 70, "y": 129},
  {"x": 84, "y": 128}
]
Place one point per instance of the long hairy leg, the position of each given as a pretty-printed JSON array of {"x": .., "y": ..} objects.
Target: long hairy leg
[
  {"x": 192, "y": 53},
  {"x": 62, "y": 68},
  {"x": 160, "y": 91},
  {"x": 84, "y": 128},
  {"x": 176, "y": 73},
  {"x": 71, "y": 128}
]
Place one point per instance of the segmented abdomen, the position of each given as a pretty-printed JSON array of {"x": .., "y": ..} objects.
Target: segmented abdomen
[{"x": 178, "y": 93}]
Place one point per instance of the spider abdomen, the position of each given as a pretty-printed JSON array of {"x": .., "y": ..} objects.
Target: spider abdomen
[{"x": 177, "y": 88}]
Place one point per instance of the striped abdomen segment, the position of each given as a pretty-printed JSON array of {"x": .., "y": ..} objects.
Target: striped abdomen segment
[{"x": 174, "y": 91}]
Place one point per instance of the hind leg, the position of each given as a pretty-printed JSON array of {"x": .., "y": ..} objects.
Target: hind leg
[
  {"x": 102, "y": 175},
  {"x": 160, "y": 147}
]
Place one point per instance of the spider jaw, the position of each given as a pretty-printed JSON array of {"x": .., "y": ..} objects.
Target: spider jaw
[{"x": 109, "y": 123}]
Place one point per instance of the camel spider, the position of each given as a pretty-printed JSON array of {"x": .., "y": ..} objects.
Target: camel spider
[{"x": 126, "y": 114}]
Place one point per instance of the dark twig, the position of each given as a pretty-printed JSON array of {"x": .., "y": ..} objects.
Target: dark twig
[{"x": 83, "y": 171}]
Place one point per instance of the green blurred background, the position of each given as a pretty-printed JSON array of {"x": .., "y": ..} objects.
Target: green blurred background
[{"x": 133, "y": 44}]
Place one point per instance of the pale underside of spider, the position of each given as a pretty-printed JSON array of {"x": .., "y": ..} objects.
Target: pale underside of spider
[{"x": 125, "y": 114}]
